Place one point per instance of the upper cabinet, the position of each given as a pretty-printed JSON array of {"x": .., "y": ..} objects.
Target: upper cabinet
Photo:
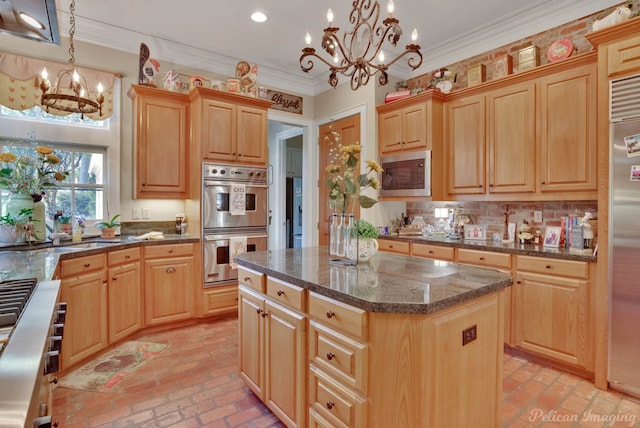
[
  {"x": 229, "y": 127},
  {"x": 161, "y": 139},
  {"x": 413, "y": 123},
  {"x": 529, "y": 137}
]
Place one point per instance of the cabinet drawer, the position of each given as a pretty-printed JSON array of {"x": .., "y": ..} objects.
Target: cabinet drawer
[
  {"x": 173, "y": 250},
  {"x": 433, "y": 251},
  {"x": 571, "y": 268},
  {"x": 221, "y": 299},
  {"x": 393, "y": 246},
  {"x": 344, "y": 358},
  {"x": 286, "y": 293},
  {"x": 338, "y": 315},
  {"x": 82, "y": 265},
  {"x": 484, "y": 258},
  {"x": 123, "y": 256},
  {"x": 624, "y": 56},
  {"x": 251, "y": 279},
  {"x": 333, "y": 400}
]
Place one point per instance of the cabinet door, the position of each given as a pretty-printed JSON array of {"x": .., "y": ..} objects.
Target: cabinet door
[
  {"x": 567, "y": 112},
  {"x": 624, "y": 57},
  {"x": 414, "y": 127},
  {"x": 161, "y": 147},
  {"x": 85, "y": 331},
  {"x": 285, "y": 363},
  {"x": 389, "y": 132},
  {"x": 251, "y": 342},
  {"x": 168, "y": 289},
  {"x": 125, "y": 301},
  {"x": 218, "y": 130},
  {"x": 252, "y": 135},
  {"x": 466, "y": 145},
  {"x": 550, "y": 316},
  {"x": 511, "y": 140}
]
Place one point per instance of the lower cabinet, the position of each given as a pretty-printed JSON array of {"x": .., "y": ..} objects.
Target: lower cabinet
[
  {"x": 124, "y": 293},
  {"x": 273, "y": 349},
  {"x": 551, "y": 309},
  {"x": 84, "y": 288},
  {"x": 220, "y": 300},
  {"x": 169, "y": 283}
]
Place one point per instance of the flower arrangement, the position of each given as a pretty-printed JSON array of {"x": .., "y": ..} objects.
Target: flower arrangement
[
  {"x": 344, "y": 182},
  {"x": 28, "y": 175}
]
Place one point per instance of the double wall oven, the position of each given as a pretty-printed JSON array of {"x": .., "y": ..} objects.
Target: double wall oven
[{"x": 227, "y": 224}]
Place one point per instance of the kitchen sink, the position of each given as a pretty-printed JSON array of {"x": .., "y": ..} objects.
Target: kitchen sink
[{"x": 86, "y": 245}]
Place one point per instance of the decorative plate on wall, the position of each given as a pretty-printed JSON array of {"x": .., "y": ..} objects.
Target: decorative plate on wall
[{"x": 559, "y": 50}]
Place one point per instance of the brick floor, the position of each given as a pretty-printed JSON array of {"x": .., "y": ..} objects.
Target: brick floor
[{"x": 194, "y": 383}]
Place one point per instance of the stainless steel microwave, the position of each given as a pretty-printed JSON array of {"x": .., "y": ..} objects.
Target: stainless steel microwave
[{"x": 406, "y": 174}]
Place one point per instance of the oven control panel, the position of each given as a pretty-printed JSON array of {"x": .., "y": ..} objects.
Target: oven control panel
[{"x": 234, "y": 173}]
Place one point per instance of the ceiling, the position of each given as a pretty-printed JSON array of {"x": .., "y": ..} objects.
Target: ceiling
[{"x": 215, "y": 35}]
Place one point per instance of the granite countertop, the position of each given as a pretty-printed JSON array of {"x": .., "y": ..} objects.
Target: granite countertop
[
  {"x": 499, "y": 247},
  {"x": 39, "y": 260},
  {"x": 391, "y": 283}
]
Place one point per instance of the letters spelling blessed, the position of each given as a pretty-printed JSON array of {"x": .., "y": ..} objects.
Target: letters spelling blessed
[{"x": 285, "y": 102}]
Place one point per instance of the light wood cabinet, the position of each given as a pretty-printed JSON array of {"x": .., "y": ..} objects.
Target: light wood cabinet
[
  {"x": 466, "y": 145},
  {"x": 220, "y": 300},
  {"x": 414, "y": 123},
  {"x": 161, "y": 138},
  {"x": 623, "y": 56},
  {"x": 551, "y": 309},
  {"x": 84, "y": 288},
  {"x": 400, "y": 247},
  {"x": 169, "y": 278},
  {"x": 229, "y": 127},
  {"x": 567, "y": 122},
  {"x": 124, "y": 293},
  {"x": 433, "y": 251},
  {"x": 273, "y": 349}
]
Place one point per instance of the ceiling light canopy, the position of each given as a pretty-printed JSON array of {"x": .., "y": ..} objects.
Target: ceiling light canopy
[
  {"x": 71, "y": 93},
  {"x": 354, "y": 54},
  {"x": 258, "y": 16}
]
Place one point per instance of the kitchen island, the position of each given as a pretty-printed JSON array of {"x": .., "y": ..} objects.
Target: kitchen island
[{"x": 397, "y": 341}]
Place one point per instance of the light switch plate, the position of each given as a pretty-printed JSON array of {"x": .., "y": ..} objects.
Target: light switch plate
[
  {"x": 135, "y": 214},
  {"x": 145, "y": 213},
  {"x": 537, "y": 216}
]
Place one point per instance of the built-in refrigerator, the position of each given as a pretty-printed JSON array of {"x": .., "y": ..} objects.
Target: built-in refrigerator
[
  {"x": 294, "y": 212},
  {"x": 624, "y": 237}
]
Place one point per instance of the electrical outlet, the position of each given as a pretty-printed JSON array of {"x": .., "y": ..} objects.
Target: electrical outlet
[
  {"x": 145, "y": 213},
  {"x": 469, "y": 334},
  {"x": 537, "y": 216},
  {"x": 135, "y": 214}
]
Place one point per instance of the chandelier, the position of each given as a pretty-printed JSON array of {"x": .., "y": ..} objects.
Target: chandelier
[
  {"x": 355, "y": 56},
  {"x": 71, "y": 93}
]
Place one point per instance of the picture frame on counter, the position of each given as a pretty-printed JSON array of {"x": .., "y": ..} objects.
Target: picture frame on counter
[
  {"x": 475, "y": 231},
  {"x": 551, "y": 236}
]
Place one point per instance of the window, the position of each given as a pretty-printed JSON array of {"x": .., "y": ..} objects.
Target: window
[
  {"x": 83, "y": 192},
  {"x": 37, "y": 114}
]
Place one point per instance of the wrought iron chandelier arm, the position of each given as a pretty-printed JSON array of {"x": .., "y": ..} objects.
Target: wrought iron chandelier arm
[{"x": 410, "y": 50}]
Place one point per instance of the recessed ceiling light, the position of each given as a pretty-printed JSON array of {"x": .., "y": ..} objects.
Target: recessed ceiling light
[
  {"x": 258, "y": 17},
  {"x": 31, "y": 21}
]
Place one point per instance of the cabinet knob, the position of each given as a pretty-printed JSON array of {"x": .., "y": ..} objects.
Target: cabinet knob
[
  {"x": 479, "y": 186},
  {"x": 170, "y": 251},
  {"x": 482, "y": 258},
  {"x": 127, "y": 256},
  {"x": 330, "y": 356},
  {"x": 264, "y": 314},
  {"x": 259, "y": 310},
  {"x": 87, "y": 265},
  {"x": 330, "y": 405},
  {"x": 331, "y": 314},
  {"x": 54, "y": 380},
  {"x": 544, "y": 182},
  {"x": 430, "y": 251},
  {"x": 548, "y": 266},
  {"x": 518, "y": 282},
  {"x": 170, "y": 270},
  {"x": 246, "y": 278},
  {"x": 280, "y": 292},
  {"x": 113, "y": 278}
]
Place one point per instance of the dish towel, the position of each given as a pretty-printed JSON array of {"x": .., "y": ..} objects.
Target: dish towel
[
  {"x": 152, "y": 236},
  {"x": 237, "y": 199},
  {"x": 237, "y": 245}
]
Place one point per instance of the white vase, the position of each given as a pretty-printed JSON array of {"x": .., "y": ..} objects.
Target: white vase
[{"x": 367, "y": 247}]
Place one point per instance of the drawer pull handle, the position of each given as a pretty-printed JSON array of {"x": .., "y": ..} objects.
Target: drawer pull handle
[
  {"x": 330, "y": 356},
  {"x": 170, "y": 270},
  {"x": 127, "y": 257},
  {"x": 430, "y": 251},
  {"x": 482, "y": 258},
  {"x": 87, "y": 265},
  {"x": 518, "y": 282},
  {"x": 330, "y": 405},
  {"x": 54, "y": 380},
  {"x": 331, "y": 314},
  {"x": 170, "y": 251},
  {"x": 280, "y": 292},
  {"x": 548, "y": 266},
  {"x": 246, "y": 278},
  {"x": 113, "y": 278}
]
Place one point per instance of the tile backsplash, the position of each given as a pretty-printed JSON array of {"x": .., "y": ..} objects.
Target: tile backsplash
[{"x": 492, "y": 214}]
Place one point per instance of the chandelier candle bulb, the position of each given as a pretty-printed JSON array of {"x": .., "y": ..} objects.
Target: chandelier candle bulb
[
  {"x": 330, "y": 16},
  {"x": 391, "y": 8},
  {"x": 307, "y": 38},
  {"x": 414, "y": 35}
]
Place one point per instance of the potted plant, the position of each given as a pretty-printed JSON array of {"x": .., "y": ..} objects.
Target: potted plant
[
  {"x": 65, "y": 223},
  {"x": 9, "y": 224},
  {"x": 108, "y": 228},
  {"x": 367, "y": 240}
]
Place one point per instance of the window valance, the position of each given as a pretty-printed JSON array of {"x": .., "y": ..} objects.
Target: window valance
[{"x": 20, "y": 83}]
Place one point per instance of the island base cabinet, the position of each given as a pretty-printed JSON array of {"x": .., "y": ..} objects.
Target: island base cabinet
[
  {"x": 453, "y": 360},
  {"x": 273, "y": 355}
]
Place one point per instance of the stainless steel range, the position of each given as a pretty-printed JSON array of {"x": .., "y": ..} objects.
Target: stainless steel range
[
  {"x": 234, "y": 217},
  {"x": 31, "y": 324}
]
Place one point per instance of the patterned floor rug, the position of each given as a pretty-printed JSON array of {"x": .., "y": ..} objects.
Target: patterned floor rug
[{"x": 108, "y": 370}]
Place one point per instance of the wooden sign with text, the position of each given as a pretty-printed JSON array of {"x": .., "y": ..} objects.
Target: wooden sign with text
[{"x": 285, "y": 102}]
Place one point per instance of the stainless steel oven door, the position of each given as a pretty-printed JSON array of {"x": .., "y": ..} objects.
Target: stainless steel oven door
[
  {"x": 215, "y": 206},
  {"x": 217, "y": 266}
]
